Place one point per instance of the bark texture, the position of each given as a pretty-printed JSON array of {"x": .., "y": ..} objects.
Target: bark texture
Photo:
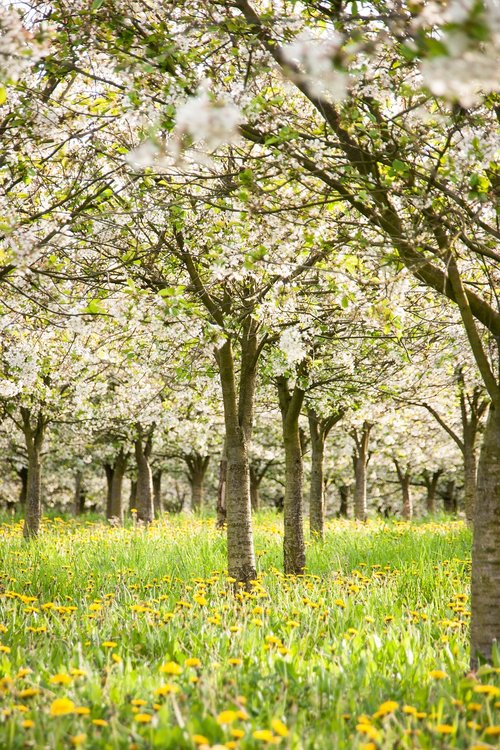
[
  {"x": 116, "y": 502},
  {"x": 144, "y": 499},
  {"x": 238, "y": 419},
  {"x": 319, "y": 429},
  {"x": 79, "y": 497},
  {"x": 197, "y": 466},
  {"x": 34, "y": 432},
  {"x": 360, "y": 459},
  {"x": 344, "y": 491},
  {"x": 485, "y": 605},
  {"x": 157, "y": 499},
  {"x": 293, "y": 543},
  {"x": 404, "y": 477},
  {"x": 431, "y": 483}
]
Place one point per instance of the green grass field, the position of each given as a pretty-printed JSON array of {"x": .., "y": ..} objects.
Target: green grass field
[{"x": 125, "y": 638}]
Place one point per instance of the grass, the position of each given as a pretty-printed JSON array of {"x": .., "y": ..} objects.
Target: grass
[{"x": 125, "y": 638}]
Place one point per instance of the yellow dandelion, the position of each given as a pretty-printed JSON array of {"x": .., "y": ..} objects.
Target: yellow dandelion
[
  {"x": 438, "y": 674},
  {"x": 82, "y": 710},
  {"x": 28, "y": 693},
  {"x": 493, "y": 731},
  {"x": 28, "y": 724},
  {"x": 200, "y": 739},
  {"x": 280, "y": 728},
  {"x": 61, "y": 679},
  {"x": 263, "y": 734},
  {"x": 490, "y": 690},
  {"x": 62, "y": 707},
  {"x": 445, "y": 729},
  {"x": 109, "y": 644},
  {"x": 192, "y": 662},
  {"x": 171, "y": 667},
  {"x": 388, "y": 707},
  {"x": 143, "y": 718},
  {"x": 78, "y": 739},
  {"x": 100, "y": 722},
  {"x": 166, "y": 689},
  {"x": 227, "y": 717}
]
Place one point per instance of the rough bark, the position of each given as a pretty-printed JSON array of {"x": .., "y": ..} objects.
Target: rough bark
[
  {"x": 470, "y": 479},
  {"x": 197, "y": 466},
  {"x": 23, "y": 490},
  {"x": 238, "y": 411},
  {"x": 431, "y": 483},
  {"x": 404, "y": 477},
  {"x": 344, "y": 491},
  {"x": 132, "y": 500},
  {"x": 157, "y": 500},
  {"x": 319, "y": 430},
  {"x": 485, "y": 605},
  {"x": 360, "y": 458},
  {"x": 34, "y": 434},
  {"x": 254, "y": 488},
  {"x": 316, "y": 489},
  {"x": 293, "y": 542},
  {"x": 109, "y": 481},
  {"x": 221, "y": 492},
  {"x": 116, "y": 500},
  {"x": 145, "y": 508},
  {"x": 79, "y": 496},
  {"x": 449, "y": 495}
]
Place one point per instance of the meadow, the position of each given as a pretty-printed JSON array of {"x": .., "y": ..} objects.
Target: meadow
[{"x": 133, "y": 638}]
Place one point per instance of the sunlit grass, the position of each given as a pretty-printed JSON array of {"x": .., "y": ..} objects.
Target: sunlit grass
[{"x": 126, "y": 638}]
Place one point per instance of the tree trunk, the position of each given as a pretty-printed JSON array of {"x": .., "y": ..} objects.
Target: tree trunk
[
  {"x": 157, "y": 500},
  {"x": 293, "y": 543},
  {"x": 132, "y": 501},
  {"x": 470, "y": 480},
  {"x": 449, "y": 495},
  {"x": 317, "y": 488},
  {"x": 109, "y": 482},
  {"x": 197, "y": 469},
  {"x": 116, "y": 503},
  {"x": 145, "y": 508},
  {"x": 34, "y": 441},
  {"x": 344, "y": 491},
  {"x": 238, "y": 416},
  {"x": 431, "y": 483},
  {"x": 404, "y": 478},
  {"x": 79, "y": 497},
  {"x": 360, "y": 461},
  {"x": 254, "y": 488},
  {"x": 485, "y": 605},
  {"x": 23, "y": 476},
  {"x": 222, "y": 491}
]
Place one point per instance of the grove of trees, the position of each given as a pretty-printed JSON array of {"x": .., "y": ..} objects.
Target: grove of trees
[{"x": 254, "y": 245}]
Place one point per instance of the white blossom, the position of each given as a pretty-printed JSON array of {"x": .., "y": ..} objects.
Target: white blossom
[{"x": 315, "y": 57}]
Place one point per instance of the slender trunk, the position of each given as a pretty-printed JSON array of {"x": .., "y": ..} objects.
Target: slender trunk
[
  {"x": 197, "y": 466},
  {"x": 34, "y": 436},
  {"x": 485, "y": 605},
  {"x": 431, "y": 483},
  {"x": 293, "y": 542},
  {"x": 132, "y": 500},
  {"x": 222, "y": 491},
  {"x": 470, "y": 480},
  {"x": 404, "y": 478},
  {"x": 109, "y": 482},
  {"x": 33, "y": 513},
  {"x": 254, "y": 488},
  {"x": 157, "y": 499},
  {"x": 237, "y": 418},
  {"x": 361, "y": 457},
  {"x": 79, "y": 497},
  {"x": 116, "y": 503},
  {"x": 344, "y": 491},
  {"x": 145, "y": 509},
  {"x": 23, "y": 490},
  {"x": 317, "y": 488},
  {"x": 407, "y": 499},
  {"x": 450, "y": 497}
]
